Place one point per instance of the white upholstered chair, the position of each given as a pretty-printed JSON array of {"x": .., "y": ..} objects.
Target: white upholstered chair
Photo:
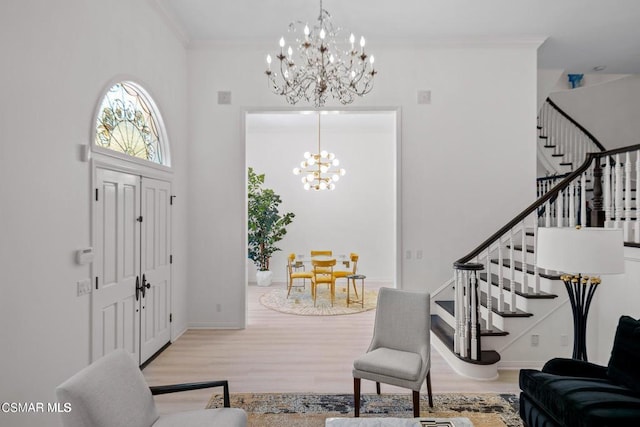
[
  {"x": 400, "y": 352},
  {"x": 112, "y": 392}
]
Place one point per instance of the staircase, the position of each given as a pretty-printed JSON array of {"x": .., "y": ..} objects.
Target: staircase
[
  {"x": 562, "y": 142},
  {"x": 488, "y": 313}
]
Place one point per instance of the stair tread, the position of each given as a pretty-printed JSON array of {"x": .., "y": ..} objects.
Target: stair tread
[
  {"x": 449, "y": 306},
  {"x": 530, "y": 248},
  {"x": 507, "y": 308},
  {"x": 566, "y": 163},
  {"x": 445, "y": 333},
  {"x": 506, "y": 284},
  {"x": 549, "y": 146},
  {"x": 547, "y": 274}
]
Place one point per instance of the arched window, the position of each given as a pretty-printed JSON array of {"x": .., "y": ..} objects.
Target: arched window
[{"x": 128, "y": 122}]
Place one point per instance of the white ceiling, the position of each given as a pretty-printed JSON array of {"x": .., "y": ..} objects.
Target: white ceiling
[{"x": 580, "y": 34}]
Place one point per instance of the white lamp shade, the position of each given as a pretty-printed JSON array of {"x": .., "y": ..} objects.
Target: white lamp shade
[{"x": 588, "y": 250}]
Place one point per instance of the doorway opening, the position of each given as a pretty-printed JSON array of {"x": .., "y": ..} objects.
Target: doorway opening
[{"x": 360, "y": 214}]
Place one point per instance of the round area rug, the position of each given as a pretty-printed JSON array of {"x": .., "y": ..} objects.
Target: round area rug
[{"x": 301, "y": 303}]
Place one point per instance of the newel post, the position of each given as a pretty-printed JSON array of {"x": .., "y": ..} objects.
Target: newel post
[
  {"x": 597, "y": 212},
  {"x": 467, "y": 310}
]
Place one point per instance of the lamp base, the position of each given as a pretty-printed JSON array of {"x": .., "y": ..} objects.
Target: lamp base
[{"x": 581, "y": 290}]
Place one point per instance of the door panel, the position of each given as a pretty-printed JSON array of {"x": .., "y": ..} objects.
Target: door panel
[
  {"x": 156, "y": 244},
  {"x": 115, "y": 313}
]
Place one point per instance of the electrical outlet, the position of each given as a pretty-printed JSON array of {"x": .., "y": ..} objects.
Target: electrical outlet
[
  {"x": 564, "y": 340},
  {"x": 84, "y": 287},
  {"x": 419, "y": 254},
  {"x": 218, "y": 308},
  {"x": 408, "y": 254}
]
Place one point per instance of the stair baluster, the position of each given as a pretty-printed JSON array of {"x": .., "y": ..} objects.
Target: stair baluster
[
  {"x": 512, "y": 273},
  {"x": 637, "y": 222},
  {"x": 524, "y": 251},
  {"x": 618, "y": 194},
  {"x": 500, "y": 277},
  {"x": 475, "y": 315},
  {"x": 489, "y": 318},
  {"x": 583, "y": 199},
  {"x": 627, "y": 196},
  {"x": 572, "y": 204},
  {"x": 606, "y": 189},
  {"x": 536, "y": 274},
  {"x": 560, "y": 209},
  {"x": 458, "y": 304}
]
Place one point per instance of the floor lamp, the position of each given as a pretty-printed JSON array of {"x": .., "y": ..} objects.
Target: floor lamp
[{"x": 579, "y": 252}]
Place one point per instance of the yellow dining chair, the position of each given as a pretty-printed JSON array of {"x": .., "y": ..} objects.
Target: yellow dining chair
[
  {"x": 323, "y": 274},
  {"x": 296, "y": 274},
  {"x": 341, "y": 274},
  {"x": 321, "y": 253}
]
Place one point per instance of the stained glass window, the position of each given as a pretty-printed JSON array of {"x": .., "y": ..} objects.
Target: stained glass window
[{"x": 127, "y": 124}]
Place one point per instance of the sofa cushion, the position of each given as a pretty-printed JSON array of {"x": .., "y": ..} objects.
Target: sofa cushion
[
  {"x": 624, "y": 368},
  {"x": 579, "y": 401}
]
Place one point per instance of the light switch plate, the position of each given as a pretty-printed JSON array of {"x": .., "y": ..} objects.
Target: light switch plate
[
  {"x": 224, "y": 97},
  {"x": 424, "y": 97},
  {"x": 84, "y": 287}
]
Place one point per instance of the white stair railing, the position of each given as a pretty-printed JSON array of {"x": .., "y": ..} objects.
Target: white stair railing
[
  {"x": 569, "y": 139},
  {"x": 616, "y": 172}
]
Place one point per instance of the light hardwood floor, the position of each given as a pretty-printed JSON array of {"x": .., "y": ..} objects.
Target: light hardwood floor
[{"x": 288, "y": 354}]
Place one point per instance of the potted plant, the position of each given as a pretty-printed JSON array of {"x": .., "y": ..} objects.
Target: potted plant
[{"x": 266, "y": 225}]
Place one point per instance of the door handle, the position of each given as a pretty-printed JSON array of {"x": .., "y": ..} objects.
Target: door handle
[
  {"x": 145, "y": 286},
  {"x": 138, "y": 288}
]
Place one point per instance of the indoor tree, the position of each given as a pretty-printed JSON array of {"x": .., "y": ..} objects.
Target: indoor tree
[{"x": 266, "y": 225}]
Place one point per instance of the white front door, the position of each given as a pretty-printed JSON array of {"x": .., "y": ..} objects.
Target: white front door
[
  {"x": 115, "y": 308},
  {"x": 132, "y": 230},
  {"x": 155, "y": 329}
]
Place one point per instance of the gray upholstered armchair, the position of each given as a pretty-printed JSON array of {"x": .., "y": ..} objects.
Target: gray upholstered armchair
[
  {"x": 112, "y": 392},
  {"x": 400, "y": 352}
]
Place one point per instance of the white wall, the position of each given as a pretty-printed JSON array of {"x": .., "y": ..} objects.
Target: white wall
[
  {"x": 610, "y": 111},
  {"x": 549, "y": 81},
  {"x": 462, "y": 157},
  {"x": 58, "y": 58},
  {"x": 617, "y": 295},
  {"x": 359, "y": 215}
]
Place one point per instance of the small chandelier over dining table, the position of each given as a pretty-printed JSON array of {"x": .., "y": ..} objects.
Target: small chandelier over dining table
[
  {"x": 316, "y": 168},
  {"x": 321, "y": 65}
]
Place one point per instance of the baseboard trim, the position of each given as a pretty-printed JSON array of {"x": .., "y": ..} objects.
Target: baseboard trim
[{"x": 208, "y": 325}]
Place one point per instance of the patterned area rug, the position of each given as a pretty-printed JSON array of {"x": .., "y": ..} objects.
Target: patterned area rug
[
  {"x": 311, "y": 410},
  {"x": 301, "y": 303}
]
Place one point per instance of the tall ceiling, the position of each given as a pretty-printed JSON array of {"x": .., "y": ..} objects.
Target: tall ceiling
[{"x": 580, "y": 34}]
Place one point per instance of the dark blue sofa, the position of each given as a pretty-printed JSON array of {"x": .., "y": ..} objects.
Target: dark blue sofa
[{"x": 574, "y": 393}]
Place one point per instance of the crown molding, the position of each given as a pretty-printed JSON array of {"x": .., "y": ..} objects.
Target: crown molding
[{"x": 178, "y": 29}]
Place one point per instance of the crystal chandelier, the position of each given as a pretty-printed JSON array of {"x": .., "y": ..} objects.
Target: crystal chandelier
[
  {"x": 320, "y": 66},
  {"x": 316, "y": 169}
]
